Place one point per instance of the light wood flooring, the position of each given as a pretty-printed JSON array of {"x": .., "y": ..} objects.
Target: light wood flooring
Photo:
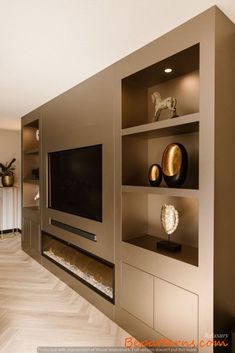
[{"x": 37, "y": 309}]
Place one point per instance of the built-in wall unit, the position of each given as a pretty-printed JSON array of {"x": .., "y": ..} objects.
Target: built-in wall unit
[
  {"x": 31, "y": 210},
  {"x": 155, "y": 255}
]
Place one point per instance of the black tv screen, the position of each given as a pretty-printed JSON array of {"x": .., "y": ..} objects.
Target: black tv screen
[{"x": 75, "y": 181}]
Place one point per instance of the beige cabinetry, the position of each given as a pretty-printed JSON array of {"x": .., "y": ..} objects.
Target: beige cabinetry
[
  {"x": 26, "y": 238},
  {"x": 31, "y": 237},
  {"x": 137, "y": 293},
  {"x": 173, "y": 304},
  {"x": 82, "y": 117},
  {"x": 187, "y": 297},
  {"x": 170, "y": 295},
  {"x": 158, "y": 303},
  {"x": 31, "y": 169},
  {"x": 183, "y": 295}
]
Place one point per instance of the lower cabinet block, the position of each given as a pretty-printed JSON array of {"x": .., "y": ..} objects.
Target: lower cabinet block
[
  {"x": 31, "y": 238},
  {"x": 175, "y": 311},
  {"x": 35, "y": 240},
  {"x": 137, "y": 293},
  {"x": 26, "y": 234}
]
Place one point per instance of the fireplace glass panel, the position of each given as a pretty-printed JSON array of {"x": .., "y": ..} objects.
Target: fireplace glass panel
[{"x": 89, "y": 269}]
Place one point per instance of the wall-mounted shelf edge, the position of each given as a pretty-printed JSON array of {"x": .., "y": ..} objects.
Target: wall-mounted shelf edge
[
  {"x": 183, "y": 124},
  {"x": 188, "y": 254},
  {"x": 34, "y": 151},
  {"x": 32, "y": 181},
  {"x": 161, "y": 191}
]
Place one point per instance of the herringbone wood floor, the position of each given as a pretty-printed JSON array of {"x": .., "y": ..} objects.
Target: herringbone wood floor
[{"x": 37, "y": 309}]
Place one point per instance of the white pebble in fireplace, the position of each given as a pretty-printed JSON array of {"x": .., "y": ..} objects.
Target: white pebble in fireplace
[{"x": 91, "y": 270}]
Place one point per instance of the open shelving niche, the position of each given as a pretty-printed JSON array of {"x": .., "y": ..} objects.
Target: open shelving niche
[
  {"x": 143, "y": 143},
  {"x": 31, "y": 156}
]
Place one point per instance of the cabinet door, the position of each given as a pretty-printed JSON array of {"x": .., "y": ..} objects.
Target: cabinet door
[
  {"x": 35, "y": 240},
  {"x": 26, "y": 243},
  {"x": 175, "y": 311},
  {"x": 137, "y": 293}
]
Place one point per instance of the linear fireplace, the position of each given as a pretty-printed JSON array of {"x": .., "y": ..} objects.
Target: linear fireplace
[{"x": 91, "y": 270}]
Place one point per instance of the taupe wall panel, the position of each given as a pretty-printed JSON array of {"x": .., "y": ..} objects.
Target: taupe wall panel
[
  {"x": 91, "y": 113},
  {"x": 175, "y": 312},
  {"x": 200, "y": 29},
  {"x": 137, "y": 293},
  {"x": 224, "y": 260},
  {"x": 80, "y": 117},
  {"x": 184, "y": 88},
  {"x": 31, "y": 215}
]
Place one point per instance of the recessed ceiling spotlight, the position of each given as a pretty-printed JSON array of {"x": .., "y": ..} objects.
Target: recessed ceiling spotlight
[{"x": 168, "y": 70}]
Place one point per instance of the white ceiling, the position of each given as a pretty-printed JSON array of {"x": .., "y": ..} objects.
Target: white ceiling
[{"x": 48, "y": 46}]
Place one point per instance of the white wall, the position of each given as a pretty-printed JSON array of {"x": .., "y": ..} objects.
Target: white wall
[
  {"x": 10, "y": 147},
  {"x": 49, "y": 46}
]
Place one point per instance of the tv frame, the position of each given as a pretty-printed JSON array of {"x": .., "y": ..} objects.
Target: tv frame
[{"x": 49, "y": 182}]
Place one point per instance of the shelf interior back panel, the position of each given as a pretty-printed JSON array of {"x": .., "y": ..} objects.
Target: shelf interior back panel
[
  {"x": 182, "y": 84},
  {"x": 187, "y": 254},
  {"x": 29, "y": 138},
  {"x": 139, "y": 153},
  {"x": 141, "y": 216}
]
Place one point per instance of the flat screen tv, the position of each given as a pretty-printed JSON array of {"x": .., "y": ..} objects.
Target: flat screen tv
[{"x": 75, "y": 181}]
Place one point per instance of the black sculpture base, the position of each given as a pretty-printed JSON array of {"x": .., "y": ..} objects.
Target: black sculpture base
[{"x": 168, "y": 246}]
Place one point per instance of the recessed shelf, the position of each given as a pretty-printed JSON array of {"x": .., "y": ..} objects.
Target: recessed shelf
[
  {"x": 32, "y": 208},
  {"x": 32, "y": 151},
  {"x": 161, "y": 191},
  {"x": 180, "y": 125},
  {"x": 182, "y": 84},
  {"x": 187, "y": 254},
  {"x": 143, "y": 144},
  {"x": 31, "y": 167},
  {"x": 141, "y": 210},
  {"x": 31, "y": 181},
  {"x": 139, "y": 153},
  {"x": 184, "y": 62}
]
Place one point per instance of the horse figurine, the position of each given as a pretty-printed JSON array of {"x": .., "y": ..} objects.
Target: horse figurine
[{"x": 160, "y": 104}]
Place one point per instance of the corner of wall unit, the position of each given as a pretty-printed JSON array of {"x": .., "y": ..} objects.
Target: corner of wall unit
[{"x": 31, "y": 216}]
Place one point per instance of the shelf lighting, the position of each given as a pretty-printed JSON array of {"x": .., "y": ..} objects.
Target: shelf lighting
[{"x": 168, "y": 70}]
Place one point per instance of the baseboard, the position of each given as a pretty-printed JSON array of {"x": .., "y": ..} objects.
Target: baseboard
[{"x": 7, "y": 231}]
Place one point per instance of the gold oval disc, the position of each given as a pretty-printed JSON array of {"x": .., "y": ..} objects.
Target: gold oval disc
[
  {"x": 172, "y": 160},
  {"x": 154, "y": 173}
]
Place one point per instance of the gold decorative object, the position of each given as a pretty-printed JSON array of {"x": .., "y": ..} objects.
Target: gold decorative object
[
  {"x": 172, "y": 160},
  {"x": 174, "y": 164},
  {"x": 6, "y": 172},
  {"x": 155, "y": 175},
  {"x": 8, "y": 180},
  {"x": 169, "y": 221}
]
